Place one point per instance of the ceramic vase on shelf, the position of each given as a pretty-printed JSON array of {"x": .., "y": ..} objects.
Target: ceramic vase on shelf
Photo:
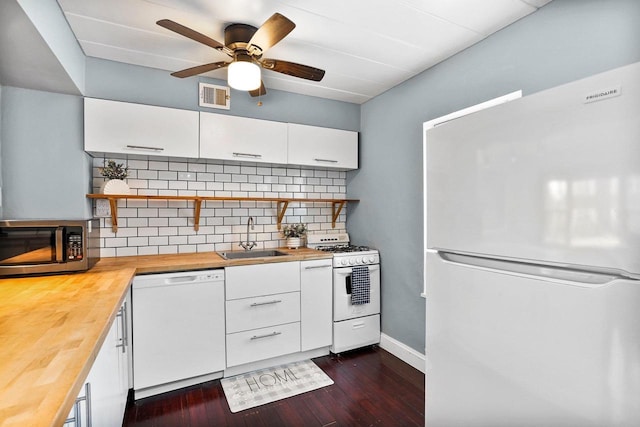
[
  {"x": 115, "y": 186},
  {"x": 294, "y": 242}
]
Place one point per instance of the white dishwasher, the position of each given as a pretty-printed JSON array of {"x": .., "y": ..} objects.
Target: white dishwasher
[{"x": 178, "y": 330}]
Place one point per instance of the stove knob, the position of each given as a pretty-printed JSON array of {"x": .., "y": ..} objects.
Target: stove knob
[
  {"x": 343, "y": 262},
  {"x": 352, "y": 261},
  {"x": 359, "y": 260},
  {"x": 371, "y": 260}
]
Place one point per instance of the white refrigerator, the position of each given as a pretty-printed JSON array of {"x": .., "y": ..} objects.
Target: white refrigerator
[{"x": 533, "y": 260}]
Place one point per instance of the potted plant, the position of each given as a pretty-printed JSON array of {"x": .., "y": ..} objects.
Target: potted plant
[
  {"x": 114, "y": 174},
  {"x": 294, "y": 233}
]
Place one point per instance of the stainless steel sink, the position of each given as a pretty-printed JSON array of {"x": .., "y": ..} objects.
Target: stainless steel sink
[{"x": 251, "y": 254}]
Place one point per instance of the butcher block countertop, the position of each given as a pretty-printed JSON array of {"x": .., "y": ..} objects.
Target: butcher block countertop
[
  {"x": 52, "y": 327},
  {"x": 145, "y": 264}
]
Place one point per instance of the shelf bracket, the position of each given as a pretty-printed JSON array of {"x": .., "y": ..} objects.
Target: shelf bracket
[
  {"x": 282, "y": 207},
  {"x": 113, "y": 205},
  {"x": 335, "y": 213},
  {"x": 196, "y": 213}
]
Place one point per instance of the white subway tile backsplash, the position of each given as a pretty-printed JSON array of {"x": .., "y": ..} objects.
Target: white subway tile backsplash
[
  {"x": 159, "y": 166},
  {"x": 167, "y": 226}
]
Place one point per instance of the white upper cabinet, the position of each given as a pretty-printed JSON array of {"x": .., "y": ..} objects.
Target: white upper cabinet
[
  {"x": 325, "y": 147},
  {"x": 227, "y": 137},
  {"x": 126, "y": 128}
]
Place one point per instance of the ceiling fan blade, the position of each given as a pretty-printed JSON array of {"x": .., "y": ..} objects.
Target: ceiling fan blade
[
  {"x": 271, "y": 32},
  {"x": 258, "y": 92},
  {"x": 199, "y": 69},
  {"x": 293, "y": 69},
  {"x": 188, "y": 32}
]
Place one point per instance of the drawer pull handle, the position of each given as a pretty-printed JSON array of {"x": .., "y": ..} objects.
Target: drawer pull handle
[
  {"x": 142, "y": 147},
  {"x": 253, "y": 156},
  {"x": 312, "y": 267},
  {"x": 326, "y": 160},
  {"x": 272, "y": 334},
  {"x": 257, "y": 304},
  {"x": 358, "y": 325}
]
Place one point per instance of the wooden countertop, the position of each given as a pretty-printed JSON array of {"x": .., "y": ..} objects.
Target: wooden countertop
[
  {"x": 52, "y": 327},
  {"x": 145, "y": 264}
]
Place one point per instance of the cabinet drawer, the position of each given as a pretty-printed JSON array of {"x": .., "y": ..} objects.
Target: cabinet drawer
[
  {"x": 259, "y": 312},
  {"x": 247, "y": 281},
  {"x": 260, "y": 344},
  {"x": 354, "y": 333}
]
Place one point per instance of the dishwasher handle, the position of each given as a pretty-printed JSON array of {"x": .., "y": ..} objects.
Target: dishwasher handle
[{"x": 180, "y": 279}]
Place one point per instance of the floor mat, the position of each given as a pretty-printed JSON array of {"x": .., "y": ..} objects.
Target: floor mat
[{"x": 268, "y": 385}]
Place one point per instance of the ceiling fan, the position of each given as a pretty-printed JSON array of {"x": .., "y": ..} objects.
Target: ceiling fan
[{"x": 245, "y": 44}]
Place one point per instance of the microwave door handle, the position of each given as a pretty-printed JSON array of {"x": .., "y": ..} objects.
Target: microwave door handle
[{"x": 59, "y": 244}]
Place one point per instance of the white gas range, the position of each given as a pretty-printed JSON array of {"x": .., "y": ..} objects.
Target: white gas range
[{"x": 356, "y": 302}]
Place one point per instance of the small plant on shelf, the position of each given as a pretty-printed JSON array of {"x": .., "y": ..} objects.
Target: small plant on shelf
[
  {"x": 114, "y": 174},
  {"x": 113, "y": 170},
  {"x": 294, "y": 230}
]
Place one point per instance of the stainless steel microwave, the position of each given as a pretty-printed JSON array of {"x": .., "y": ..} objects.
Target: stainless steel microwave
[{"x": 48, "y": 246}]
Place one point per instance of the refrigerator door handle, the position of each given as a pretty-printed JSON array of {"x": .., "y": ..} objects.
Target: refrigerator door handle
[{"x": 559, "y": 275}]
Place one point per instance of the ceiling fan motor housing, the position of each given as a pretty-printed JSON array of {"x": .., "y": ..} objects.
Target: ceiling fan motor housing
[{"x": 237, "y": 36}]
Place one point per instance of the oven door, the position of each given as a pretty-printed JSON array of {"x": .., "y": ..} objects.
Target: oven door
[{"x": 342, "y": 307}]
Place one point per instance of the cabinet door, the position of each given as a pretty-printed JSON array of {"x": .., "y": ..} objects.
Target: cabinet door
[
  {"x": 107, "y": 405},
  {"x": 240, "y": 138},
  {"x": 126, "y": 128},
  {"x": 318, "y": 146},
  {"x": 316, "y": 295}
]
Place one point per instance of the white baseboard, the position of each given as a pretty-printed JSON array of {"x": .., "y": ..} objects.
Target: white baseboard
[{"x": 403, "y": 352}]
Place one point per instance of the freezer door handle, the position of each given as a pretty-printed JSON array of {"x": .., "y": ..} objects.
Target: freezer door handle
[{"x": 560, "y": 275}]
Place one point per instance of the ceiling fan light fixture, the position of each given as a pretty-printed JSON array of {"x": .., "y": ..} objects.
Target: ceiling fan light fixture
[{"x": 244, "y": 75}]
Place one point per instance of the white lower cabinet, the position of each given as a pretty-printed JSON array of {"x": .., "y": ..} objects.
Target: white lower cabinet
[
  {"x": 102, "y": 401},
  {"x": 316, "y": 295},
  {"x": 251, "y": 313},
  {"x": 263, "y": 343},
  {"x": 263, "y": 311}
]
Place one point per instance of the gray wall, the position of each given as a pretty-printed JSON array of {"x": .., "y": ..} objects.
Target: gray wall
[
  {"x": 45, "y": 172},
  {"x": 564, "y": 41},
  {"x": 1, "y": 197}
]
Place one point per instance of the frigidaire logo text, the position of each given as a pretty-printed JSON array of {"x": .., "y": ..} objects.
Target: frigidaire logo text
[{"x": 602, "y": 94}]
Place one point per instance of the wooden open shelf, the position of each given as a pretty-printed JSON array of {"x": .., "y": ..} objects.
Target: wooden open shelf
[{"x": 282, "y": 204}]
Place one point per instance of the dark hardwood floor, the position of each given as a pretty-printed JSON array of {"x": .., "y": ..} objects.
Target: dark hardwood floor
[{"x": 371, "y": 388}]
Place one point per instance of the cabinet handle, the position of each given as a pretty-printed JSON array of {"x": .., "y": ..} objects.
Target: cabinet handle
[
  {"x": 142, "y": 147},
  {"x": 77, "y": 417},
  {"x": 253, "y": 156},
  {"x": 122, "y": 314},
  {"x": 272, "y": 334},
  {"x": 312, "y": 267},
  {"x": 257, "y": 304},
  {"x": 326, "y": 160}
]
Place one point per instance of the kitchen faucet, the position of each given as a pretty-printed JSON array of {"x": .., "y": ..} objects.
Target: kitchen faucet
[{"x": 248, "y": 245}]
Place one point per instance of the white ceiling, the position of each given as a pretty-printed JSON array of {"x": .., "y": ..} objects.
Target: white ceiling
[{"x": 365, "y": 46}]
